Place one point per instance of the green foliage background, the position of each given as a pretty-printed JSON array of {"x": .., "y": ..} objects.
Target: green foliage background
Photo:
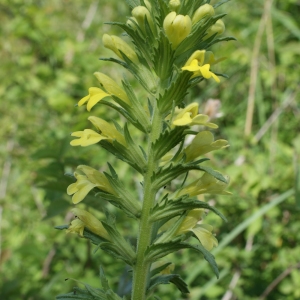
[{"x": 49, "y": 51}]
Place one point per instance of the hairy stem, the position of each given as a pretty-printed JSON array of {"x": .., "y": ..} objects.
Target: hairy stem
[{"x": 142, "y": 267}]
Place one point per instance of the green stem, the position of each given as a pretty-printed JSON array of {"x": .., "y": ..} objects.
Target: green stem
[{"x": 142, "y": 267}]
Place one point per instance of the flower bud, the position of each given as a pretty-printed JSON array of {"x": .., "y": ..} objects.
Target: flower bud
[
  {"x": 174, "y": 4},
  {"x": 205, "y": 10},
  {"x": 177, "y": 28},
  {"x": 140, "y": 13},
  {"x": 148, "y": 5},
  {"x": 132, "y": 22},
  {"x": 217, "y": 28},
  {"x": 86, "y": 219},
  {"x": 117, "y": 45}
]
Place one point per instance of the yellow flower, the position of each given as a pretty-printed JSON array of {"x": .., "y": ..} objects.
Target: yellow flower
[
  {"x": 195, "y": 64},
  {"x": 107, "y": 130},
  {"x": 140, "y": 13},
  {"x": 207, "y": 184},
  {"x": 89, "y": 137},
  {"x": 203, "y": 143},
  {"x": 87, "y": 179},
  {"x": 95, "y": 95},
  {"x": 204, "y": 234},
  {"x": 86, "y": 219},
  {"x": 189, "y": 116},
  {"x": 217, "y": 28},
  {"x": 177, "y": 28},
  {"x": 174, "y": 4},
  {"x": 86, "y": 137},
  {"x": 190, "y": 221},
  {"x": 119, "y": 46},
  {"x": 112, "y": 87},
  {"x": 202, "y": 231},
  {"x": 205, "y": 10}
]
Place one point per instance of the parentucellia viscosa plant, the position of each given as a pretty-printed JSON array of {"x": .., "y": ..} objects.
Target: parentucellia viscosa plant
[{"x": 166, "y": 52}]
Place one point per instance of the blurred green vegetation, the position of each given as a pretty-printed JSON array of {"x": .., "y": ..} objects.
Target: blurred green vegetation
[{"x": 49, "y": 51}]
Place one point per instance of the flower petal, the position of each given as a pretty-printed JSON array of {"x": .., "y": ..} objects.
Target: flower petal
[
  {"x": 184, "y": 120},
  {"x": 72, "y": 189},
  {"x": 95, "y": 99},
  {"x": 81, "y": 194},
  {"x": 205, "y": 71},
  {"x": 204, "y": 235},
  {"x": 83, "y": 100}
]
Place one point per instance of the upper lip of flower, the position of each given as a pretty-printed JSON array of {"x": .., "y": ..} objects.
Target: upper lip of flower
[{"x": 95, "y": 95}]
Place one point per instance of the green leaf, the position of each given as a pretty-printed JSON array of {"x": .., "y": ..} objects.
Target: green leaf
[
  {"x": 89, "y": 293},
  {"x": 214, "y": 173},
  {"x": 220, "y": 3},
  {"x": 125, "y": 111},
  {"x": 124, "y": 198},
  {"x": 172, "y": 208},
  {"x": 103, "y": 280},
  {"x": 175, "y": 92},
  {"x": 136, "y": 109},
  {"x": 120, "y": 203},
  {"x": 222, "y": 39},
  {"x": 159, "y": 269},
  {"x": 133, "y": 3},
  {"x": 166, "y": 279},
  {"x": 121, "y": 152},
  {"x": 61, "y": 227},
  {"x": 135, "y": 151},
  {"x": 189, "y": 6},
  {"x": 119, "y": 245},
  {"x": 110, "y": 295},
  {"x": 165, "y": 175},
  {"x": 114, "y": 250},
  {"x": 285, "y": 19},
  {"x": 157, "y": 251},
  {"x": 168, "y": 140},
  {"x": 163, "y": 57}
]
